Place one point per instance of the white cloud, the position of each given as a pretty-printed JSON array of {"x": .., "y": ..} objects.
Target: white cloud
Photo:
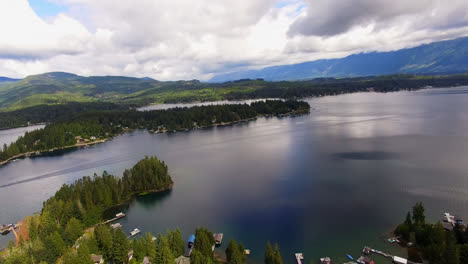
[{"x": 185, "y": 39}]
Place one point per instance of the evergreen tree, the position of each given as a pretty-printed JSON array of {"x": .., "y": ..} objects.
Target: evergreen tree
[
  {"x": 418, "y": 214},
  {"x": 163, "y": 252},
  {"x": 120, "y": 247},
  {"x": 451, "y": 253},
  {"x": 73, "y": 230},
  {"x": 277, "y": 256},
  {"x": 269, "y": 254},
  {"x": 176, "y": 243}
]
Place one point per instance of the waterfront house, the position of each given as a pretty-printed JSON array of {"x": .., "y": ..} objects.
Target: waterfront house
[
  {"x": 97, "y": 259},
  {"x": 448, "y": 226}
]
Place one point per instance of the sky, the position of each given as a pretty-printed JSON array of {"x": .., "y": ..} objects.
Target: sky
[{"x": 186, "y": 39}]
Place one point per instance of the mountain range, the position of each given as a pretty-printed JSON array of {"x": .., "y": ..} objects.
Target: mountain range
[{"x": 445, "y": 57}]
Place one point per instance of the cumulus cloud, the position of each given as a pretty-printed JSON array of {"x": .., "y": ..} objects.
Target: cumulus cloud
[
  {"x": 25, "y": 35},
  {"x": 185, "y": 39}
]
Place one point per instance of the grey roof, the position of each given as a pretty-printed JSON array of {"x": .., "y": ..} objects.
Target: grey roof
[{"x": 182, "y": 260}]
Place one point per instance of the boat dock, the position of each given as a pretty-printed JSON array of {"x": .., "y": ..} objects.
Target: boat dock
[
  {"x": 117, "y": 217},
  {"x": 395, "y": 259}
]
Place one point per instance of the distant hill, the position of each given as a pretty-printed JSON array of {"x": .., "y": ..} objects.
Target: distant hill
[
  {"x": 436, "y": 58},
  {"x": 6, "y": 79}
]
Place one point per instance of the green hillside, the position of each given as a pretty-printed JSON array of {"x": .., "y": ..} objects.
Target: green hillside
[{"x": 60, "y": 88}]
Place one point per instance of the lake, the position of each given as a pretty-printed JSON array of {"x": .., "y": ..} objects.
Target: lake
[{"x": 324, "y": 184}]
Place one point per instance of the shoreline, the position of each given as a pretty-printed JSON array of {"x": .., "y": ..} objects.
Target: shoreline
[{"x": 39, "y": 152}]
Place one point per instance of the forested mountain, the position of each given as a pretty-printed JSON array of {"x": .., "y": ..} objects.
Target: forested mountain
[
  {"x": 436, "y": 58},
  {"x": 62, "y": 88}
]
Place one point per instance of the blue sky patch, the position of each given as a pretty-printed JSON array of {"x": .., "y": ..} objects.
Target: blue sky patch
[{"x": 45, "y": 8}]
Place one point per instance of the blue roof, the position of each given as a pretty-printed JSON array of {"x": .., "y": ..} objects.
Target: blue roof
[{"x": 191, "y": 239}]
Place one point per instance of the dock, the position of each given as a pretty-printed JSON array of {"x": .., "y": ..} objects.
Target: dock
[
  {"x": 299, "y": 258},
  {"x": 395, "y": 259},
  {"x": 117, "y": 217}
]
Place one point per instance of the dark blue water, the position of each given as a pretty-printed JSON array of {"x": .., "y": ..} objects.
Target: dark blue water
[{"x": 324, "y": 184}]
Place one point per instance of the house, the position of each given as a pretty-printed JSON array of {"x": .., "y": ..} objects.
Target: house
[
  {"x": 97, "y": 259},
  {"x": 146, "y": 260},
  {"x": 398, "y": 260},
  {"x": 93, "y": 138}
]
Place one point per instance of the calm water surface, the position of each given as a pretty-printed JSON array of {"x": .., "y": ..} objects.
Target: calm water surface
[
  {"x": 324, "y": 184},
  {"x": 11, "y": 135}
]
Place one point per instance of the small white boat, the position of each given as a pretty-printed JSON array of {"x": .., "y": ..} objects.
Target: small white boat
[{"x": 135, "y": 232}]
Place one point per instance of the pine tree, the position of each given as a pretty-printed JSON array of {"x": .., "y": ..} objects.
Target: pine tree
[
  {"x": 120, "y": 247},
  {"x": 163, "y": 252},
  {"x": 269, "y": 253},
  {"x": 176, "y": 243}
]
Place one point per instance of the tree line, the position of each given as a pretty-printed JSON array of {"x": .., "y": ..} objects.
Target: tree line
[
  {"x": 104, "y": 124},
  {"x": 433, "y": 242}
]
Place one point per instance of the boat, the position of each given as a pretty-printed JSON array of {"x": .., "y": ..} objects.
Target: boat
[
  {"x": 299, "y": 258},
  {"x": 218, "y": 239},
  {"x": 349, "y": 256},
  {"x": 135, "y": 232}
]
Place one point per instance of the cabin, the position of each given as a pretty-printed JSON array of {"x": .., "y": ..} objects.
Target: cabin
[
  {"x": 398, "y": 260},
  {"x": 326, "y": 260},
  {"x": 97, "y": 259},
  {"x": 116, "y": 226},
  {"x": 93, "y": 138},
  {"x": 365, "y": 260},
  {"x": 218, "y": 238}
]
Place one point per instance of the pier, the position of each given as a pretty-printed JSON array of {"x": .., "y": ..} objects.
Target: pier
[
  {"x": 117, "y": 217},
  {"x": 395, "y": 259}
]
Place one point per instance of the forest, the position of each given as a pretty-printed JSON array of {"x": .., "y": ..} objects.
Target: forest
[
  {"x": 436, "y": 243},
  {"x": 97, "y": 125},
  {"x": 70, "y": 228}
]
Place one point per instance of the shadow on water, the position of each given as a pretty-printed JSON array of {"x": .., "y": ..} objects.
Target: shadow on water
[
  {"x": 149, "y": 200},
  {"x": 366, "y": 155}
]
